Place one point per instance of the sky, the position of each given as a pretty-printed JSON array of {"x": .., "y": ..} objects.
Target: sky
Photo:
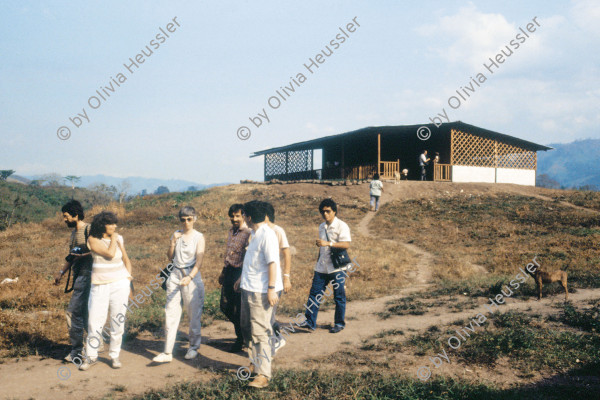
[{"x": 176, "y": 114}]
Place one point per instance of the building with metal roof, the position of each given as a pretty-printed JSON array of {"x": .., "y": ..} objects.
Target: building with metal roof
[{"x": 467, "y": 153}]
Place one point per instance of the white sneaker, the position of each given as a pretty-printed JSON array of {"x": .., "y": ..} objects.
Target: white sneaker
[
  {"x": 278, "y": 345},
  {"x": 116, "y": 363},
  {"x": 163, "y": 358},
  {"x": 191, "y": 353},
  {"x": 87, "y": 364}
]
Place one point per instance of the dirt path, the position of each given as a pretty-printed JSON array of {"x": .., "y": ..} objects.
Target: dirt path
[{"x": 38, "y": 378}]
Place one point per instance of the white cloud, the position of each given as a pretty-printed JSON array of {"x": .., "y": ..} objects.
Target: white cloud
[{"x": 586, "y": 15}]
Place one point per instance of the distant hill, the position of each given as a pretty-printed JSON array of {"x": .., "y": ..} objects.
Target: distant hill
[
  {"x": 18, "y": 179},
  {"x": 572, "y": 164},
  {"x": 138, "y": 183}
]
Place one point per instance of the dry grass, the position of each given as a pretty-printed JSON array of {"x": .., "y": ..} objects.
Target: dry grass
[
  {"x": 34, "y": 252},
  {"x": 500, "y": 232}
]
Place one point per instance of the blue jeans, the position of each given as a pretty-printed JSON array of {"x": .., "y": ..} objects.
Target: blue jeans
[
  {"x": 319, "y": 283},
  {"x": 375, "y": 202}
]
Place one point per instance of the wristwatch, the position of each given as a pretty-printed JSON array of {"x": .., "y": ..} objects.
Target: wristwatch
[{"x": 271, "y": 287}]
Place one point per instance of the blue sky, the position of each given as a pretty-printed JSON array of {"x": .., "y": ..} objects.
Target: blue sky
[{"x": 177, "y": 115}]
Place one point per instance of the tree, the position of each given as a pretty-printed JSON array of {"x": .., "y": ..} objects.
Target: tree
[
  {"x": 123, "y": 189},
  {"x": 53, "y": 179},
  {"x": 144, "y": 192},
  {"x": 102, "y": 193},
  {"x": 5, "y": 173},
  {"x": 73, "y": 179},
  {"x": 161, "y": 190},
  {"x": 8, "y": 216},
  {"x": 37, "y": 182},
  {"x": 545, "y": 181}
]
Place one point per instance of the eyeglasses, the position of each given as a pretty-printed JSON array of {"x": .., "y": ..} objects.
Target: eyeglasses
[{"x": 186, "y": 219}]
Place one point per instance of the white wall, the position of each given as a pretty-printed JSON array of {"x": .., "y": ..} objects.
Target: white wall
[
  {"x": 518, "y": 176},
  {"x": 463, "y": 173}
]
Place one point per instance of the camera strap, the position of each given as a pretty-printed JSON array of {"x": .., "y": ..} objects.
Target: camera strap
[{"x": 86, "y": 235}]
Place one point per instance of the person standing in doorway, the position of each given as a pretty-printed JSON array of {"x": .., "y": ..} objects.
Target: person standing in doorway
[{"x": 423, "y": 162}]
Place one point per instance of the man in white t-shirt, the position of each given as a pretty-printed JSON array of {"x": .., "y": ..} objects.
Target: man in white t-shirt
[
  {"x": 333, "y": 233},
  {"x": 376, "y": 188},
  {"x": 260, "y": 282},
  {"x": 285, "y": 259}
]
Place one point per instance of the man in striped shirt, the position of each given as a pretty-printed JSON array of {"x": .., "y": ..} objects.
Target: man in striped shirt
[{"x": 231, "y": 301}]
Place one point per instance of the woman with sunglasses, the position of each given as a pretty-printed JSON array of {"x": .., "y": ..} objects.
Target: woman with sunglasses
[{"x": 186, "y": 251}]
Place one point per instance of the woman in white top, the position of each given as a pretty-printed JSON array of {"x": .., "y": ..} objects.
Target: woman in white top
[
  {"x": 376, "y": 189},
  {"x": 186, "y": 251},
  {"x": 111, "y": 277}
]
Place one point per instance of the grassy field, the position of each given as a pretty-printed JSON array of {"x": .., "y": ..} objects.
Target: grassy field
[
  {"x": 31, "y": 311},
  {"x": 556, "y": 353},
  {"x": 500, "y": 232}
]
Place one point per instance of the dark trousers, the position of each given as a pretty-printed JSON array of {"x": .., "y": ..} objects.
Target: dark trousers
[
  {"x": 318, "y": 294},
  {"x": 78, "y": 310},
  {"x": 231, "y": 301},
  {"x": 423, "y": 173}
]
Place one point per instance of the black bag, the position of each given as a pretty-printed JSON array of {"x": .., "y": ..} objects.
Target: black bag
[
  {"x": 339, "y": 257},
  {"x": 77, "y": 250},
  {"x": 166, "y": 272}
]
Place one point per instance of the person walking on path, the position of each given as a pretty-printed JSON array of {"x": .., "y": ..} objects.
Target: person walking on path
[
  {"x": 376, "y": 187},
  {"x": 185, "y": 281}
]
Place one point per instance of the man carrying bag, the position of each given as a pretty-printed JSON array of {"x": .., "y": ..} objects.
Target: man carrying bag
[
  {"x": 79, "y": 261},
  {"x": 334, "y": 240}
]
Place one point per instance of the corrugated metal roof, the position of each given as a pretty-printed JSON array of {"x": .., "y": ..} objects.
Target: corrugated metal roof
[{"x": 403, "y": 130}]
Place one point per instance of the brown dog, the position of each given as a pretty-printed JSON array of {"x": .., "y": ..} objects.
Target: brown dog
[{"x": 542, "y": 277}]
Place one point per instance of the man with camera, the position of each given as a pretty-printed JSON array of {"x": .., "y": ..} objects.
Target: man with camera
[{"x": 79, "y": 261}]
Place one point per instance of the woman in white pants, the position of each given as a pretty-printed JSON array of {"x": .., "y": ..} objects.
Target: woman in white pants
[
  {"x": 187, "y": 251},
  {"x": 111, "y": 277}
]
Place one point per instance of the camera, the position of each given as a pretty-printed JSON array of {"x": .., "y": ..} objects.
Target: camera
[{"x": 75, "y": 250}]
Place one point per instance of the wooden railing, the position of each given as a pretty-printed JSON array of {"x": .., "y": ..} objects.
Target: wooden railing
[
  {"x": 442, "y": 172},
  {"x": 388, "y": 168}
]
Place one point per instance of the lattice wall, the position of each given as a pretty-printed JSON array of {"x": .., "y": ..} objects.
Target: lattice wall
[
  {"x": 299, "y": 161},
  {"x": 278, "y": 165},
  {"x": 274, "y": 164},
  {"x": 472, "y": 150}
]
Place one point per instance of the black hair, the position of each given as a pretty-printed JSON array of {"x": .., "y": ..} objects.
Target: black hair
[
  {"x": 328, "y": 203},
  {"x": 376, "y": 176},
  {"x": 98, "y": 227},
  {"x": 270, "y": 212},
  {"x": 256, "y": 210},
  {"x": 74, "y": 209},
  {"x": 235, "y": 208}
]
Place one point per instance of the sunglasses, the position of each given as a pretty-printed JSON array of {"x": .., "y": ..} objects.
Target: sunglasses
[{"x": 186, "y": 219}]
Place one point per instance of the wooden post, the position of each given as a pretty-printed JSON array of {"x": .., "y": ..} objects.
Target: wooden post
[{"x": 378, "y": 153}]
